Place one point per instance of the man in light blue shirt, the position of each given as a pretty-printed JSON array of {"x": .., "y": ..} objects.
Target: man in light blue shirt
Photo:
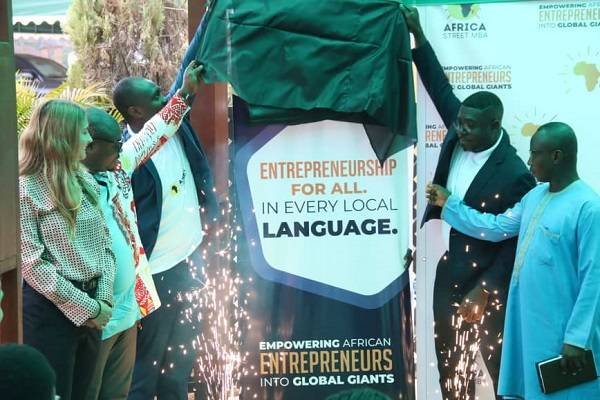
[
  {"x": 135, "y": 295},
  {"x": 120, "y": 333},
  {"x": 554, "y": 297}
]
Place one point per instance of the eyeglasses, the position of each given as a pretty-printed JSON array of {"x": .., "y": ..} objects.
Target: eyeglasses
[{"x": 118, "y": 143}]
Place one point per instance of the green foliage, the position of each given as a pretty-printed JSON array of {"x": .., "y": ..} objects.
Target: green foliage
[
  {"x": 114, "y": 39},
  {"x": 118, "y": 38},
  {"x": 93, "y": 95},
  {"x": 75, "y": 75},
  {"x": 27, "y": 97}
]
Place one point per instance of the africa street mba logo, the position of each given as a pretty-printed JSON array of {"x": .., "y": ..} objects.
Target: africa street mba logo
[
  {"x": 464, "y": 11},
  {"x": 464, "y": 22}
]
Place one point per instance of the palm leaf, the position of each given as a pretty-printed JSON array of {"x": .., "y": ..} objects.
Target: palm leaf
[
  {"x": 93, "y": 95},
  {"x": 27, "y": 98},
  {"x": 112, "y": 110}
]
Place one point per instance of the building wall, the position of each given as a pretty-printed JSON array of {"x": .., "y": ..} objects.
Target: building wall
[{"x": 53, "y": 46}]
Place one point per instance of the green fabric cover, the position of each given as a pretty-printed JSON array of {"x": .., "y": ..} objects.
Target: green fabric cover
[
  {"x": 438, "y": 2},
  {"x": 298, "y": 61}
]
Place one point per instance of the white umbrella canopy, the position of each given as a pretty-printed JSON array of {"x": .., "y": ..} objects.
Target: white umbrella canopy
[
  {"x": 23, "y": 8},
  {"x": 39, "y": 12}
]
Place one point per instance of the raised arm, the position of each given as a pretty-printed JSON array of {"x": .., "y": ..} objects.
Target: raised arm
[
  {"x": 158, "y": 129},
  {"x": 482, "y": 226},
  {"x": 190, "y": 55},
  {"x": 500, "y": 271},
  {"x": 430, "y": 70}
]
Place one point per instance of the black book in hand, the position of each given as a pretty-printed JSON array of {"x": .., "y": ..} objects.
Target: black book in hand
[{"x": 552, "y": 378}]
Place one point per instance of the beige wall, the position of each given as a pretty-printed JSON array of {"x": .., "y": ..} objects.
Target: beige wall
[{"x": 53, "y": 46}]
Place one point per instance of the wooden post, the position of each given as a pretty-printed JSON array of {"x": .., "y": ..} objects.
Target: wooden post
[
  {"x": 10, "y": 328},
  {"x": 209, "y": 115}
]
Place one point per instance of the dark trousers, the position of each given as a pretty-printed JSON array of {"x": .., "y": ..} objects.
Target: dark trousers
[
  {"x": 165, "y": 353},
  {"x": 114, "y": 368},
  {"x": 70, "y": 350},
  {"x": 457, "y": 382}
]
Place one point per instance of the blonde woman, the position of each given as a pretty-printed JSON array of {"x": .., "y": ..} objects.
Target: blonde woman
[{"x": 66, "y": 256}]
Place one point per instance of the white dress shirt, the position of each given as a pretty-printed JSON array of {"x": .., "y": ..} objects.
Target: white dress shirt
[
  {"x": 180, "y": 230},
  {"x": 464, "y": 167}
]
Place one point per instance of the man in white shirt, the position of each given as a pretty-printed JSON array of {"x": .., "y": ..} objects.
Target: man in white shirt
[{"x": 176, "y": 204}]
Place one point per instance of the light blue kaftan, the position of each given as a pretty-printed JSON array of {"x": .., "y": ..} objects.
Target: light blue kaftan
[{"x": 554, "y": 294}]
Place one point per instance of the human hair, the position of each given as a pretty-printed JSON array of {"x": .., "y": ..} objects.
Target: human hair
[
  {"x": 485, "y": 101},
  {"x": 560, "y": 136},
  {"x": 25, "y": 374},
  {"x": 49, "y": 146}
]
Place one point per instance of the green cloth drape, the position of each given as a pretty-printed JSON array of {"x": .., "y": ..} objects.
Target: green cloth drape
[
  {"x": 441, "y": 2},
  {"x": 299, "y": 61}
]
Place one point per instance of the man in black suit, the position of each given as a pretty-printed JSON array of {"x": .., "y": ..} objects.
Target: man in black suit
[
  {"x": 176, "y": 205},
  {"x": 472, "y": 277}
]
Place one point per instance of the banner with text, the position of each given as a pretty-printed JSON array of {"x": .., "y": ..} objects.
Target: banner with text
[
  {"x": 325, "y": 229},
  {"x": 542, "y": 58}
]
